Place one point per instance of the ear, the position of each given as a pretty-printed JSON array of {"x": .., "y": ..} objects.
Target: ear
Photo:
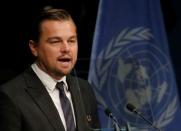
[{"x": 33, "y": 47}]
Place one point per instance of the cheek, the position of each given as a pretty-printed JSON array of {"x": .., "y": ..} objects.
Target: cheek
[
  {"x": 75, "y": 53},
  {"x": 47, "y": 54}
]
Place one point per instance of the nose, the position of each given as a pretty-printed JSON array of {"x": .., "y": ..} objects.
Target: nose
[{"x": 65, "y": 47}]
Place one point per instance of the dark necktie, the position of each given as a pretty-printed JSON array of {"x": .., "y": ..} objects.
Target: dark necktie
[{"x": 66, "y": 107}]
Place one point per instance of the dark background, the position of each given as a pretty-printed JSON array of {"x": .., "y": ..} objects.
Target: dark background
[{"x": 16, "y": 17}]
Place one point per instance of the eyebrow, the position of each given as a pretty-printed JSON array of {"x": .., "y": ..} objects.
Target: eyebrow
[
  {"x": 59, "y": 38},
  {"x": 72, "y": 37}
]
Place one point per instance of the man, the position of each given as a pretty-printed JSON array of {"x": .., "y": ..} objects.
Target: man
[{"x": 31, "y": 101}]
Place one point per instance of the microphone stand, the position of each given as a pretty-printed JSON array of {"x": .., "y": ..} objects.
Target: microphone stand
[
  {"x": 116, "y": 125},
  {"x": 128, "y": 128},
  {"x": 149, "y": 122}
]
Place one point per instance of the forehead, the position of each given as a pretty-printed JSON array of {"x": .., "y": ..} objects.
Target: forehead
[
  {"x": 56, "y": 27},
  {"x": 57, "y": 23}
]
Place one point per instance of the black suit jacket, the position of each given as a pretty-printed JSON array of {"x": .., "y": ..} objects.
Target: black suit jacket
[{"x": 25, "y": 105}]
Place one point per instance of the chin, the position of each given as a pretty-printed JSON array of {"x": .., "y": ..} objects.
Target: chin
[{"x": 65, "y": 72}]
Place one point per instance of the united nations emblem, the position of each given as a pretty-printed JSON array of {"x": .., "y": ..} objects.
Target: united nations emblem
[{"x": 133, "y": 69}]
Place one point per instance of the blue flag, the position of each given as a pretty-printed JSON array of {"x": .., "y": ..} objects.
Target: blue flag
[{"x": 130, "y": 63}]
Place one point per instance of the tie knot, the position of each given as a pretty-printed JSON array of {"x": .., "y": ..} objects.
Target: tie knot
[{"x": 60, "y": 86}]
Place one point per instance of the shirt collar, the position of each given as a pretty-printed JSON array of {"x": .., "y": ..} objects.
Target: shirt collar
[{"x": 46, "y": 79}]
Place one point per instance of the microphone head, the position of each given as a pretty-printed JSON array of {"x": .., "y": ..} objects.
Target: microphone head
[
  {"x": 108, "y": 112},
  {"x": 131, "y": 107}
]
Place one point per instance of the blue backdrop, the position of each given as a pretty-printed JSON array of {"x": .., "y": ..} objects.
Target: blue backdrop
[{"x": 130, "y": 63}]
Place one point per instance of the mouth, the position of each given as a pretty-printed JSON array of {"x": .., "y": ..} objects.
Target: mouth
[{"x": 64, "y": 60}]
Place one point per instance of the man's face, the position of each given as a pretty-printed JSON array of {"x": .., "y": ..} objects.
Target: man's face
[{"x": 57, "y": 48}]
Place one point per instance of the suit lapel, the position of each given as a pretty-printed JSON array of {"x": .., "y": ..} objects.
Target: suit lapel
[
  {"x": 79, "y": 107},
  {"x": 41, "y": 97}
]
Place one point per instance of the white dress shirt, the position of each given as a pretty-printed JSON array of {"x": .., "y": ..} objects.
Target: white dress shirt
[{"x": 49, "y": 84}]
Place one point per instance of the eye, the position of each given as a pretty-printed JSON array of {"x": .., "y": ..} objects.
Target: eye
[
  {"x": 54, "y": 40},
  {"x": 72, "y": 41}
]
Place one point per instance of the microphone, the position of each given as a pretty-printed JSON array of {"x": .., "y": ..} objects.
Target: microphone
[
  {"x": 115, "y": 122},
  {"x": 107, "y": 111},
  {"x": 133, "y": 109}
]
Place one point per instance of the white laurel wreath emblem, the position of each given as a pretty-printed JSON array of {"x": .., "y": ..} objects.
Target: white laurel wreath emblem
[
  {"x": 168, "y": 115},
  {"x": 114, "y": 47},
  {"x": 104, "y": 60}
]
